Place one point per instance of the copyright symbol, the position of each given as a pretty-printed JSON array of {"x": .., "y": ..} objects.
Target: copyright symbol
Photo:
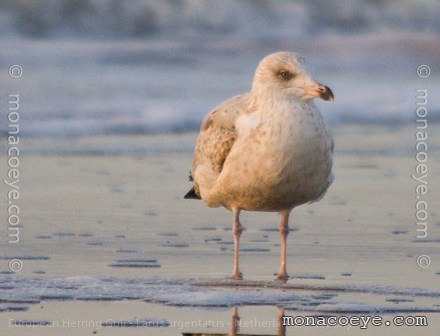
[
  {"x": 423, "y": 261},
  {"x": 423, "y": 71},
  {"x": 15, "y": 71},
  {"x": 15, "y": 265}
]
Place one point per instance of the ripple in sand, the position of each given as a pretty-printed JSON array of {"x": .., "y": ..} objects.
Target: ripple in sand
[
  {"x": 136, "y": 263},
  {"x": 102, "y": 298},
  {"x": 337, "y": 201},
  {"x": 225, "y": 242},
  {"x": 6, "y": 287},
  {"x": 127, "y": 250},
  {"x": 275, "y": 229},
  {"x": 400, "y": 300},
  {"x": 324, "y": 296},
  {"x": 95, "y": 243},
  {"x": 102, "y": 171},
  {"x": 213, "y": 239},
  {"x": 434, "y": 240},
  {"x": 64, "y": 234},
  {"x": 30, "y": 323},
  {"x": 168, "y": 234},
  {"x": 204, "y": 228},
  {"x": 56, "y": 297},
  {"x": 254, "y": 249},
  {"x": 13, "y": 308},
  {"x": 261, "y": 240},
  {"x": 399, "y": 232},
  {"x": 308, "y": 276},
  {"x": 85, "y": 234},
  {"x": 173, "y": 244},
  {"x": 311, "y": 304},
  {"x": 25, "y": 257},
  {"x": 150, "y": 213},
  {"x": 144, "y": 322},
  {"x": 20, "y": 301},
  {"x": 138, "y": 260},
  {"x": 117, "y": 189}
]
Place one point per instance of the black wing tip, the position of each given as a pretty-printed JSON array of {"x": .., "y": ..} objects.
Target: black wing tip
[{"x": 191, "y": 194}]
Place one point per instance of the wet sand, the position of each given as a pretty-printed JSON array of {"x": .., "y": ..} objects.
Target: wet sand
[{"x": 124, "y": 215}]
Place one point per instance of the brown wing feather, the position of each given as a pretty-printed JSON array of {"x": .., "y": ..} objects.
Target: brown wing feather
[{"x": 217, "y": 135}]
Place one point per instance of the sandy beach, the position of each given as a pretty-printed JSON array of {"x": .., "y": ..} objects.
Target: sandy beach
[{"x": 113, "y": 217}]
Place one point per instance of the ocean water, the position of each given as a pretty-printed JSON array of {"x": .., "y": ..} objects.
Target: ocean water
[
  {"x": 94, "y": 67},
  {"x": 18, "y": 293}
]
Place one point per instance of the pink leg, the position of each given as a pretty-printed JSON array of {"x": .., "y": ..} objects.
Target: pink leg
[
  {"x": 236, "y": 230},
  {"x": 284, "y": 231},
  {"x": 281, "y": 328},
  {"x": 235, "y": 322}
]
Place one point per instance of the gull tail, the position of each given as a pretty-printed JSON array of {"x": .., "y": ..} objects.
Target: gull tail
[{"x": 191, "y": 195}]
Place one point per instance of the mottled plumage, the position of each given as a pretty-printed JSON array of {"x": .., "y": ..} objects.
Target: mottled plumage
[{"x": 265, "y": 150}]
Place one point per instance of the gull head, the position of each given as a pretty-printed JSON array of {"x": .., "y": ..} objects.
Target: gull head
[{"x": 283, "y": 73}]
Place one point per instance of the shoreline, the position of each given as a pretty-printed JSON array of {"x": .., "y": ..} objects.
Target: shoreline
[{"x": 81, "y": 214}]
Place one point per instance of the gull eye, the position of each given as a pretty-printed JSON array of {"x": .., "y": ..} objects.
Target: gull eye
[{"x": 286, "y": 75}]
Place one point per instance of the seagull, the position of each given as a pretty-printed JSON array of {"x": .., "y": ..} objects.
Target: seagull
[{"x": 265, "y": 150}]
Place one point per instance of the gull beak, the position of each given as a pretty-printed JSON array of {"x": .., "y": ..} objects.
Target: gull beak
[{"x": 318, "y": 91}]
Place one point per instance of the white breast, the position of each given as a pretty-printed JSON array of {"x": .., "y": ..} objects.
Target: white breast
[{"x": 282, "y": 157}]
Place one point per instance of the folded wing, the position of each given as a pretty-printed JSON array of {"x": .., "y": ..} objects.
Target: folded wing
[{"x": 216, "y": 138}]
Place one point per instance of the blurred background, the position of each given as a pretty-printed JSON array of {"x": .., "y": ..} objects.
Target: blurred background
[{"x": 107, "y": 67}]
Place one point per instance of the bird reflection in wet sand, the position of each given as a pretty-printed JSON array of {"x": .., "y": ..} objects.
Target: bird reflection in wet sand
[{"x": 235, "y": 327}]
